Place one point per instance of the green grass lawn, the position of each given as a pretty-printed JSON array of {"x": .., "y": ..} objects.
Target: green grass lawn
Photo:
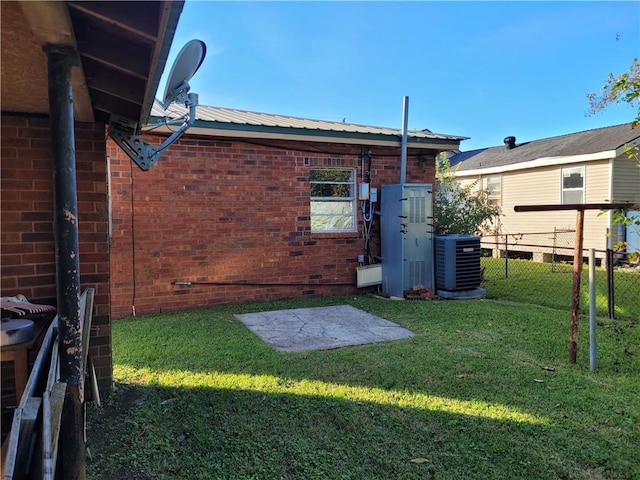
[
  {"x": 543, "y": 284},
  {"x": 482, "y": 391}
]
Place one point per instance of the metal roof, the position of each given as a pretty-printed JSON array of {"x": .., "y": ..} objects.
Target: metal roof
[
  {"x": 247, "y": 121},
  {"x": 581, "y": 143}
]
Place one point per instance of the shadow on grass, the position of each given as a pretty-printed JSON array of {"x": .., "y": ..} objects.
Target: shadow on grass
[
  {"x": 207, "y": 433},
  {"x": 488, "y": 395}
]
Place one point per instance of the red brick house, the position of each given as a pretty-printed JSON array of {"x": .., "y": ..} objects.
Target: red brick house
[{"x": 251, "y": 206}]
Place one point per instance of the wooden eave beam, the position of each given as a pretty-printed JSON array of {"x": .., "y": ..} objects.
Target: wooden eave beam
[
  {"x": 51, "y": 25},
  {"x": 108, "y": 104},
  {"x": 128, "y": 16},
  {"x": 113, "y": 82},
  {"x": 117, "y": 53}
]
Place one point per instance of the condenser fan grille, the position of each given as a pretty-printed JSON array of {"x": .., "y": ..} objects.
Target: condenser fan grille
[{"x": 457, "y": 262}]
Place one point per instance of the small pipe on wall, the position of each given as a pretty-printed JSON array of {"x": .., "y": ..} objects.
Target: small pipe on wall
[{"x": 188, "y": 283}]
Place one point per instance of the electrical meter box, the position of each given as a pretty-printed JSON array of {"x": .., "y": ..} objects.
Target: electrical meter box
[{"x": 406, "y": 229}]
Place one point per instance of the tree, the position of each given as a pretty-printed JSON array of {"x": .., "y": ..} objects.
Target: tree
[
  {"x": 621, "y": 88},
  {"x": 624, "y": 87},
  {"x": 461, "y": 209}
]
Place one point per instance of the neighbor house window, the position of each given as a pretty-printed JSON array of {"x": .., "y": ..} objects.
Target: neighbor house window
[
  {"x": 333, "y": 201},
  {"x": 493, "y": 186},
  {"x": 573, "y": 185}
]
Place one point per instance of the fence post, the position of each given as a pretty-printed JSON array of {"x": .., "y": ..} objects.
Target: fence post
[
  {"x": 592, "y": 309},
  {"x": 553, "y": 251},
  {"x": 575, "y": 297},
  {"x": 611, "y": 306},
  {"x": 506, "y": 256}
]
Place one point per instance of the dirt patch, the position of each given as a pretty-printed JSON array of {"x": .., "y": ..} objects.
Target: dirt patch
[{"x": 107, "y": 456}]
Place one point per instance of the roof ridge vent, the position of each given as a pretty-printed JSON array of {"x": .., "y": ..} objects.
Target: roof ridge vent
[{"x": 510, "y": 142}]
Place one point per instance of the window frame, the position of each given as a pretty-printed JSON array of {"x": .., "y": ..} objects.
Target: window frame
[
  {"x": 581, "y": 189},
  {"x": 492, "y": 195},
  {"x": 352, "y": 198}
]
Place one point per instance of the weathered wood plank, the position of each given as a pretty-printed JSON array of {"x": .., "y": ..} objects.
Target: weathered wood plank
[
  {"x": 52, "y": 411},
  {"x": 9, "y": 460},
  {"x": 86, "y": 313},
  {"x": 41, "y": 361},
  {"x": 94, "y": 383},
  {"x": 26, "y": 413},
  {"x": 46, "y": 434},
  {"x": 54, "y": 366},
  {"x": 28, "y": 458}
]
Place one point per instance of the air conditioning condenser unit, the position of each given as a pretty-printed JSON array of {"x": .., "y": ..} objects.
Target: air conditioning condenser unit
[{"x": 457, "y": 266}]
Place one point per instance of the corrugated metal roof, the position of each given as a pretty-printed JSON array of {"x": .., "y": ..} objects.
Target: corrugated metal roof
[
  {"x": 223, "y": 115},
  {"x": 580, "y": 143}
]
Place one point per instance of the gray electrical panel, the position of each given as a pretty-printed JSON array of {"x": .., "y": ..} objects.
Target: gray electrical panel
[{"x": 406, "y": 230}]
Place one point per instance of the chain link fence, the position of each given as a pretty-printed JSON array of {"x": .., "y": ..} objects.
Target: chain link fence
[{"x": 537, "y": 268}]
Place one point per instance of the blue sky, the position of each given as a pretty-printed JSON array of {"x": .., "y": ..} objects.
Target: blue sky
[{"x": 483, "y": 70}]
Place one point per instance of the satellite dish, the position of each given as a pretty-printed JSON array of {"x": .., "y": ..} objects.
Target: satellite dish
[
  {"x": 124, "y": 131},
  {"x": 184, "y": 68}
]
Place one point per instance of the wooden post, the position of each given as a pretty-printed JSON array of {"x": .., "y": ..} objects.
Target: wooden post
[
  {"x": 575, "y": 298},
  {"x": 577, "y": 255}
]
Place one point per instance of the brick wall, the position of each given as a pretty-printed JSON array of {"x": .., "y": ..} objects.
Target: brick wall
[
  {"x": 27, "y": 256},
  {"x": 222, "y": 211}
]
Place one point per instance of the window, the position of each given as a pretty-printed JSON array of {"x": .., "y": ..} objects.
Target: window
[
  {"x": 573, "y": 185},
  {"x": 333, "y": 202},
  {"x": 493, "y": 186}
]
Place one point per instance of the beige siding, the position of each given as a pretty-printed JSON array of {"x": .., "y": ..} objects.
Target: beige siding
[
  {"x": 626, "y": 180},
  {"x": 626, "y": 185},
  {"x": 597, "y": 190},
  {"x": 543, "y": 186},
  {"x": 465, "y": 182}
]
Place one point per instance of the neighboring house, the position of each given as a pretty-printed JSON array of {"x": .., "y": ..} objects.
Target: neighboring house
[
  {"x": 252, "y": 206},
  {"x": 117, "y": 51},
  {"x": 583, "y": 167}
]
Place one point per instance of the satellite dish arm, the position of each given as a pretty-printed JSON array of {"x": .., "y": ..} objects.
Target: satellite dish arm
[
  {"x": 143, "y": 154},
  {"x": 125, "y": 132},
  {"x": 191, "y": 103}
]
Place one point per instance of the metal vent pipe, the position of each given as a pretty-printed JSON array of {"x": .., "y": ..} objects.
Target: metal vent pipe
[
  {"x": 403, "y": 147},
  {"x": 510, "y": 142}
]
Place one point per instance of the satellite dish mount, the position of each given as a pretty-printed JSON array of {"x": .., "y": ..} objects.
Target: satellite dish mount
[{"x": 125, "y": 131}]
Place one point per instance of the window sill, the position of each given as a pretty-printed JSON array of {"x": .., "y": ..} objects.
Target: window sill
[{"x": 322, "y": 235}]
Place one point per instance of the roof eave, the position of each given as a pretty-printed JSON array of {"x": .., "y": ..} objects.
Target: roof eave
[
  {"x": 169, "y": 23},
  {"x": 51, "y": 24},
  {"x": 237, "y": 130},
  {"x": 538, "y": 162},
  {"x": 624, "y": 149}
]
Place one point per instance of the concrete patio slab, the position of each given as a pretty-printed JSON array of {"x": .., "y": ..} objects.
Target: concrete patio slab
[{"x": 322, "y": 328}]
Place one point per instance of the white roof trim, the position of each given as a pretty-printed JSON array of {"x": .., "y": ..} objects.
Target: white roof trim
[
  {"x": 632, "y": 144},
  {"x": 540, "y": 162},
  {"x": 229, "y": 116},
  {"x": 213, "y": 132}
]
